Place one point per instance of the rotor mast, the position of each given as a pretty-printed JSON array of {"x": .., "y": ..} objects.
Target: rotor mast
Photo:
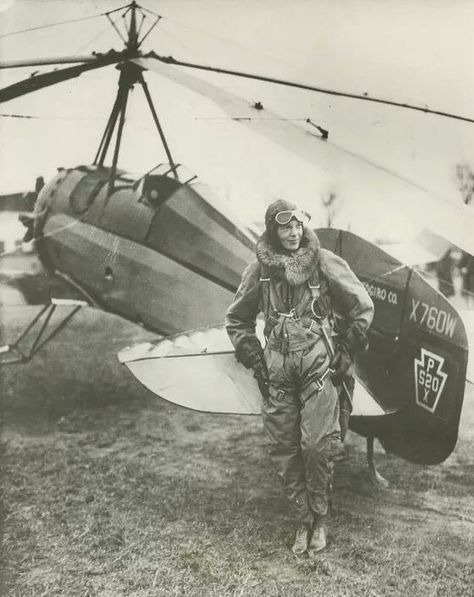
[
  {"x": 132, "y": 42},
  {"x": 130, "y": 74}
]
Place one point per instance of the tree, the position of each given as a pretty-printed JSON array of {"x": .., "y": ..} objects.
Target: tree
[
  {"x": 465, "y": 181},
  {"x": 331, "y": 205}
]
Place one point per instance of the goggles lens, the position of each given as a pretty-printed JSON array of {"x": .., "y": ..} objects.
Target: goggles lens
[{"x": 283, "y": 217}]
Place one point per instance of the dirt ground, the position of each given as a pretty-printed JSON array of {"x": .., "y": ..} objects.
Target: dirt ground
[{"x": 110, "y": 491}]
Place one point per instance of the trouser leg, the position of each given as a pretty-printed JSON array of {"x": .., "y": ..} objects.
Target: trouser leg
[
  {"x": 282, "y": 420},
  {"x": 320, "y": 433}
]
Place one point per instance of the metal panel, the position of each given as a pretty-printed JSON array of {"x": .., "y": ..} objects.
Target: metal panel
[
  {"x": 187, "y": 229},
  {"x": 133, "y": 280}
]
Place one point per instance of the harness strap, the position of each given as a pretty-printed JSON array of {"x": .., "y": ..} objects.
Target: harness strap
[
  {"x": 264, "y": 277},
  {"x": 319, "y": 309}
]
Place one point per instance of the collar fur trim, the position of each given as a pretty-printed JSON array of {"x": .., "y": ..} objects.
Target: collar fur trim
[{"x": 293, "y": 267}]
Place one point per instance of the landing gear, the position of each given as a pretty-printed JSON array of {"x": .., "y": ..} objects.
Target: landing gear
[
  {"x": 14, "y": 353},
  {"x": 375, "y": 477}
]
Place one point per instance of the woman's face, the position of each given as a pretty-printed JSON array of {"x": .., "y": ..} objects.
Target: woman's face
[{"x": 290, "y": 235}]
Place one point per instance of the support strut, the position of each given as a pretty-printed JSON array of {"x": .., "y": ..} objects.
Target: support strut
[
  {"x": 14, "y": 353},
  {"x": 158, "y": 125},
  {"x": 129, "y": 75},
  {"x": 374, "y": 475},
  {"x": 107, "y": 136},
  {"x": 125, "y": 84}
]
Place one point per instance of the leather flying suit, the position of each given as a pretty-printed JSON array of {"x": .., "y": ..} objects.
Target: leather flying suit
[{"x": 301, "y": 418}]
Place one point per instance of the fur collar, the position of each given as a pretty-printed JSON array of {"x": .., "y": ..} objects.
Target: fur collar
[{"x": 293, "y": 267}]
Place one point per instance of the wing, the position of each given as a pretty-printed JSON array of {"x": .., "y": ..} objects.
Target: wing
[
  {"x": 411, "y": 381},
  {"x": 198, "y": 370},
  {"x": 186, "y": 369}
]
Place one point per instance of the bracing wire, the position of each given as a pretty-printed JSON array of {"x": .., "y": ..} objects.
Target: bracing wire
[
  {"x": 48, "y": 117},
  {"x": 225, "y": 41},
  {"x": 178, "y": 41},
  {"x": 91, "y": 41},
  {"x": 35, "y": 240}
]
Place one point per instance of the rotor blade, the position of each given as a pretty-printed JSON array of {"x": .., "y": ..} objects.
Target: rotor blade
[
  {"x": 35, "y": 82},
  {"x": 358, "y": 177},
  {"x": 256, "y": 77},
  {"x": 45, "y": 61}
]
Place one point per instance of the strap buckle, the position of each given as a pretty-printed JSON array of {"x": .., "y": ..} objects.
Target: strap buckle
[
  {"x": 314, "y": 303},
  {"x": 320, "y": 381}
]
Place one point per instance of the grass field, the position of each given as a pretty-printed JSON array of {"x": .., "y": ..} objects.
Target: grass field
[{"x": 109, "y": 491}]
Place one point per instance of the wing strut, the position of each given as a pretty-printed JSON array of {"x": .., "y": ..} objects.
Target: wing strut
[{"x": 34, "y": 333}]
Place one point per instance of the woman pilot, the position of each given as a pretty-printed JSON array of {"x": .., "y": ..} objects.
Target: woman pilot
[{"x": 299, "y": 286}]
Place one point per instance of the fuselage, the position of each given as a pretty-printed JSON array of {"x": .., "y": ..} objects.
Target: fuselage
[{"x": 155, "y": 251}]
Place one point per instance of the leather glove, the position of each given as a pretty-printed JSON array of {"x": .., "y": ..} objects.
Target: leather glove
[
  {"x": 260, "y": 372},
  {"x": 353, "y": 340},
  {"x": 249, "y": 352},
  {"x": 341, "y": 363}
]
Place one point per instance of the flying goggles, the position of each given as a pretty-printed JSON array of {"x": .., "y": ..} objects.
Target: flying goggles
[{"x": 283, "y": 217}]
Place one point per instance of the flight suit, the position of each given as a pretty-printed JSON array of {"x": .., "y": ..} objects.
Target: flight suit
[{"x": 301, "y": 412}]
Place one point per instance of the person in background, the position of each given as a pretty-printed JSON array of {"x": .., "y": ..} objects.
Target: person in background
[
  {"x": 303, "y": 369},
  {"x": 444, "y": 272},
  {"x": 466, "y": 267}
]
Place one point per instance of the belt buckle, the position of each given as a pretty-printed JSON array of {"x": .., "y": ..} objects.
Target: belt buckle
[{"x": 289, "y": 315}]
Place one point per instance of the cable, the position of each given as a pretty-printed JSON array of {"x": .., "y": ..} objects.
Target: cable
[
  {"x": 277, "y": 119},
  {"x": 95, "y": 38},
  {"x": 46, "y": 117},
  {"x": 52, "y": 25},
  {"x": 17, "y": 116},
  {"x": 35, "y": 240},
  {"x": 227, "y": 42},
  {"x": 176, "y": 40},
  {"x": 142, "y": 8}
]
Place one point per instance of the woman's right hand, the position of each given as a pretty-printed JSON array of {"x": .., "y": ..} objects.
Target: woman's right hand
[{"x": 260, "y": 372}]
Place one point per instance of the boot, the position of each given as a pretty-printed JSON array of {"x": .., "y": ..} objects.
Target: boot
[
  {"x": 301, "y": 540},
  {"x": 318, "y": 539}
]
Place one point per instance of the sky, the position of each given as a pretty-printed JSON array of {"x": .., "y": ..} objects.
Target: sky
[{"x": 416, "y": 51}]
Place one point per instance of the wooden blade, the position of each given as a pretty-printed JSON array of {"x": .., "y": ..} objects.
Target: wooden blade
[
  {"x": 257, "y": 77},
  {"x": 45, "y": 61},
  {"x": 33, "y": 83}
]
